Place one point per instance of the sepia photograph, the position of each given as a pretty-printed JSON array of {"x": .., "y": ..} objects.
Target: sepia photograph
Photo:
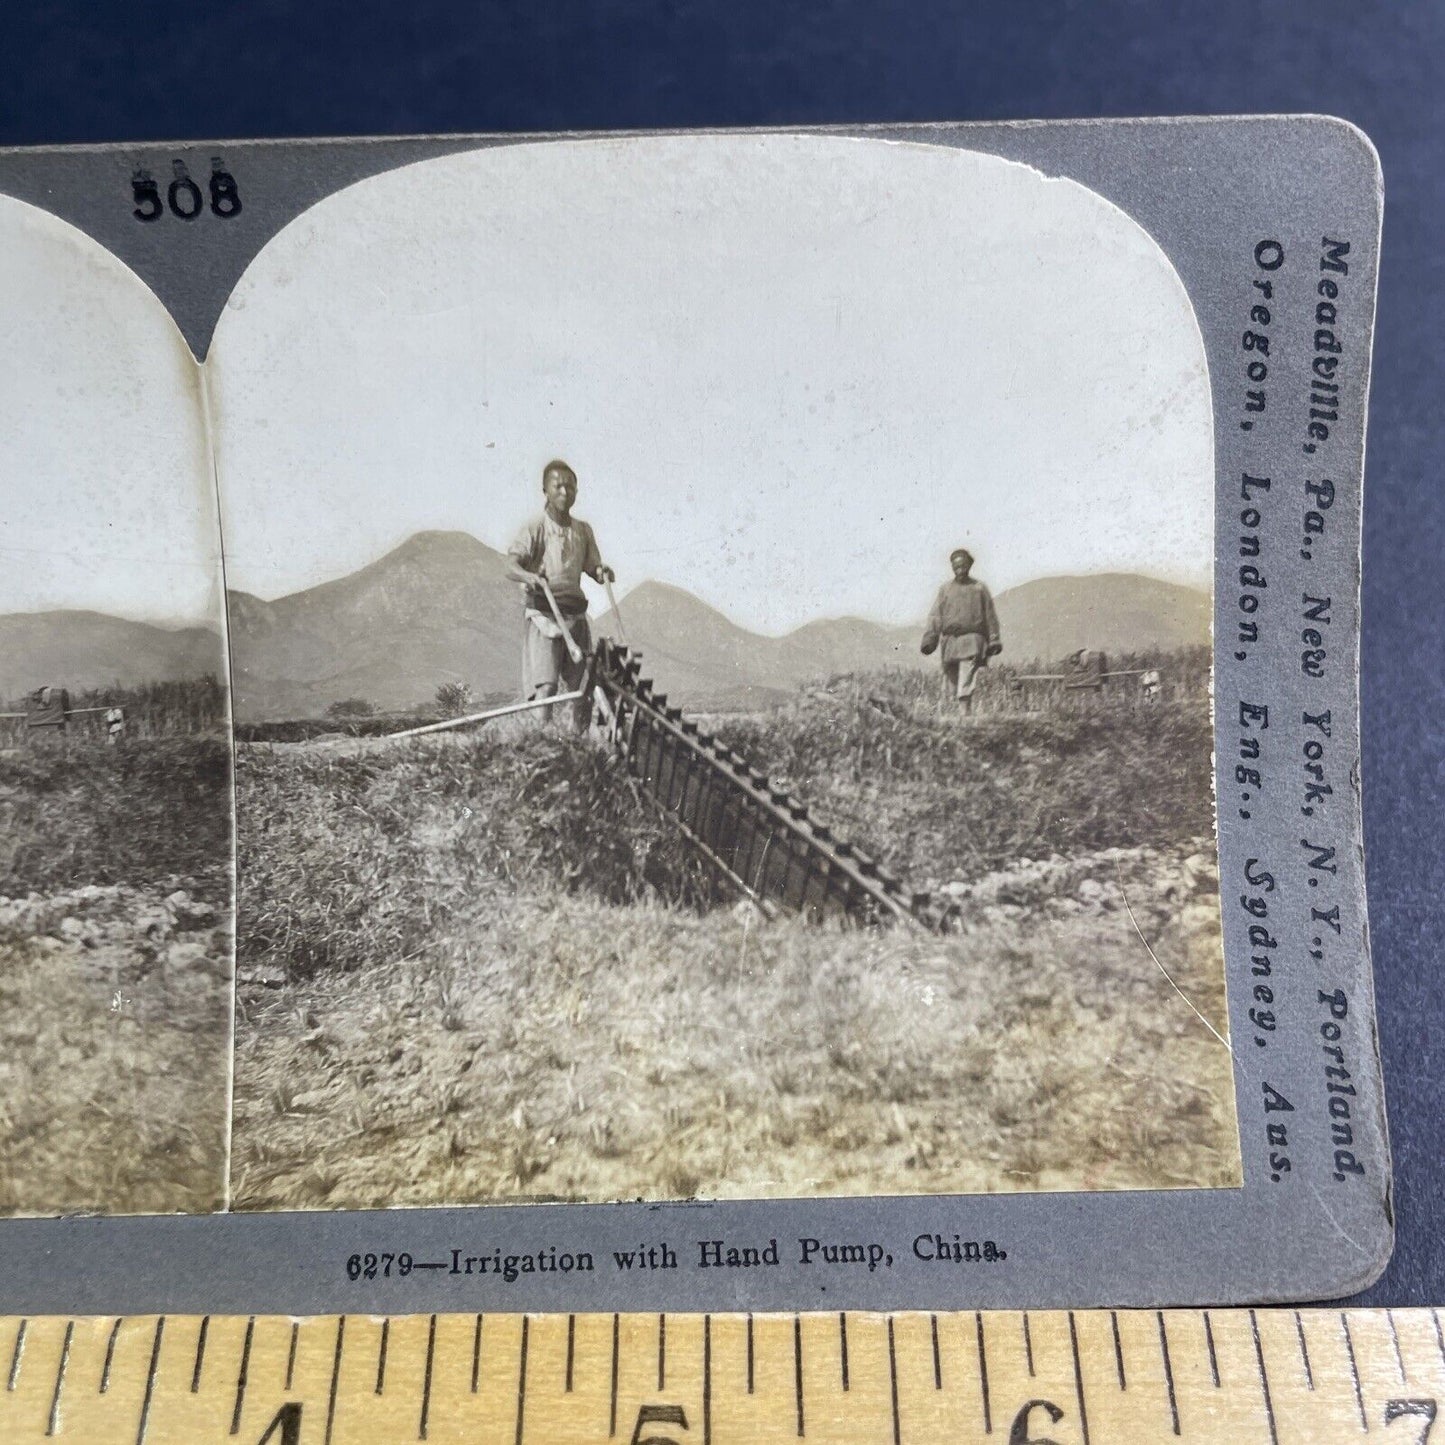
[
  {"x": 720, "y": 637},
  {"x": 116, "y": 987}
]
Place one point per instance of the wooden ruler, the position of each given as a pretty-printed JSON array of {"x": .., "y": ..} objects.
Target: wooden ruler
[{"x": 1050, "y": 1378}]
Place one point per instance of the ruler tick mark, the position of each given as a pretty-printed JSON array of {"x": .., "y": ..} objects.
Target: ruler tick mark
[
  {"x": 1354, "y": 1370},
  {"x": 1028, "y": 1344},
  {"x": 477, "y": 1356},
  {"x": 19, "y": 1350},
  {"x": 798, "y": 1368},
  {"x": 241, "y": 1376},
  {"x": 335, "y": 1376},
  {"x": 1168, "y": 1369},
  {"x": 892, "y": 1383},
  {"x": 291, "y": 1352},
  {"x": 937, "y": 1361},
  {"x": 1118, "y": 1351},
  {"x": 571, "y": 1338},
  {"x": 1078, "y": 1379},
  {"x": 54, "y": 1418},
  {"x": 145, "y": 1405},
  {"x": 983, "y": 1374},
  {"x": 431, "y": 1345},
  {"x": 1264, "y": 1379},
  {"x": 1304, "y": 1350},
  {"x": 843, "y": 1347},
  {"x": 521, "y": 1381},
  {"x": 1395, "y": 1340},
  {"x": 1213, "y": 1358},
  {"x": 707, "y": 1379},
  {"x": 381, "y": 1357},
  {"x": 612, "y": 1408},
  {"x": 109, "y": 1354},
  {"x": 201, "y": 1355}
]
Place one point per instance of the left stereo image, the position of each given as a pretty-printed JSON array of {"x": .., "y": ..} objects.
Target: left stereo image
[{"x": 115, "y": 756}]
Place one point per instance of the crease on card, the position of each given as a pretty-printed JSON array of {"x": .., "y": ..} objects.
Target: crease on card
[
  {"x": 1329, "y": 1211},
  {"x": 204, "y": 387},
  {"x": 1168, "y": 977}
]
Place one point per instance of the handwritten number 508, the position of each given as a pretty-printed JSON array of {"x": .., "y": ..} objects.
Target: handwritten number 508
[{"x": 183, "y": 196}]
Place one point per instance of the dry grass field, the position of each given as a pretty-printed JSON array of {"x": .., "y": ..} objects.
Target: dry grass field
[
  {"x": 479, "y": 968},
  {"x": 115, "y": 975}
]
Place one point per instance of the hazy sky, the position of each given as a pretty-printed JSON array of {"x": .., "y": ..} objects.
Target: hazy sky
[
  {"x": 791, "y": 372},
  {"x": 107, "y": 500}
]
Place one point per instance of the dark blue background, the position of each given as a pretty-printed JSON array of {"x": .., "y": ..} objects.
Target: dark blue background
[{"x": 83, "y": 70}]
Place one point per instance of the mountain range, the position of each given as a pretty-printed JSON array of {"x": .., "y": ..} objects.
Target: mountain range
[
  {"x": 440, "y": 608},
  {"x": 92, "y": 650}
]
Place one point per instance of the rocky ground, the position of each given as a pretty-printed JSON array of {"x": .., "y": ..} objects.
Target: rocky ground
[
  {"x": 1164, "y": 887},
  {"x": 114, "y": 1048}
]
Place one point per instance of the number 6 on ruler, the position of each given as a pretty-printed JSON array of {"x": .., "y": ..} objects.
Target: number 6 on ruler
[
  {"x": 1424, "y": 1409},
  {"x": 658, "y": 1415}
]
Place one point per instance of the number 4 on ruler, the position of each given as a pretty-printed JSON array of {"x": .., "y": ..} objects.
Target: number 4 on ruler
[{"x": 285, "y": 1427}]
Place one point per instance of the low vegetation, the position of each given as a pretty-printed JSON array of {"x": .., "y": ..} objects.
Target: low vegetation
[
  {"x": 360, "y": 858},
  {"x": 77, "y": 811},
  {"x": 350, "y": 707},
  {"x": 554, "y": 1007},
  {"x": 890, "y": 764}
]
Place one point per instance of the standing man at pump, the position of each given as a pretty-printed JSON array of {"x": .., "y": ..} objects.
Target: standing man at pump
[
  {"x": 552, "y": 552},
  {"x": 963, "y": 619}
]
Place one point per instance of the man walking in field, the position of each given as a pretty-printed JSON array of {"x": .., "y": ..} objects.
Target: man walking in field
[
  {"x": 964, "y": 621},
  {"x": 553, "y": 551}
]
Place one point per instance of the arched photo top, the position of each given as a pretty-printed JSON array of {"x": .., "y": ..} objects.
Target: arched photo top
[
  {"x": 110, "y": 500},
  {"x": 791, "y": 372}
]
